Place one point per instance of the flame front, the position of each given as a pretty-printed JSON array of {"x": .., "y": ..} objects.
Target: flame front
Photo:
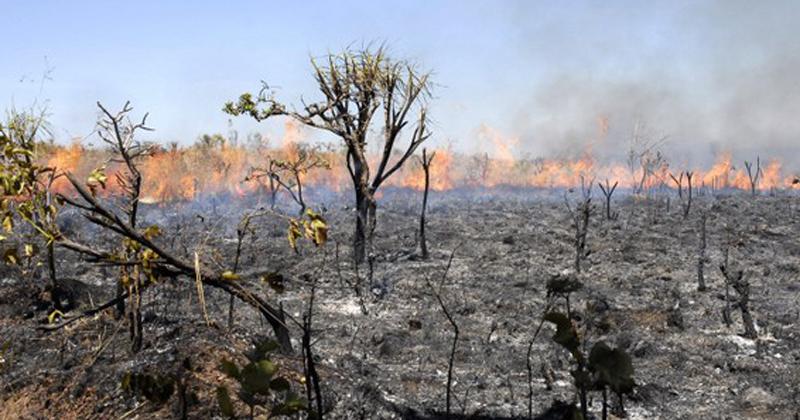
[{"x": 186, "y": 173}]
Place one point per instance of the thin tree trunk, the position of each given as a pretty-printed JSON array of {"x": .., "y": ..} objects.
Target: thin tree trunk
[
  {"x": 360, "y": 237},
  {"x": 426, "y": 166},
  {"x": 701, "y": 254}
]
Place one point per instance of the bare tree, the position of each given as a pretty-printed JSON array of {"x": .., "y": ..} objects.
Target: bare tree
[
  {"x": 742, "y": 287},
  {"x": 288, "y": 173},
  {"x": 608, "y": 191},
  {"x": 355, "y": 85},
  {"x": 118, "y": 131},
  {"x": 645, "y": 160},
  {"x": 701, "y": 254},
  {"x": 437, "y": 293},
  {"x": 425, "y": 161},
  {"x": 579, "y": 216},
  {"x": 686, "y": 202},
  {"x": 754, "y": 175}
]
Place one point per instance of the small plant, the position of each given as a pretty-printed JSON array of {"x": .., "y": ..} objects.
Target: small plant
[
  {"x": 260, "y": 386},
  {"x": 605, "y": 369}
]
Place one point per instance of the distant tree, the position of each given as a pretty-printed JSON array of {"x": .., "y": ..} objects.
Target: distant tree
[{"x": 355, "y": 85}]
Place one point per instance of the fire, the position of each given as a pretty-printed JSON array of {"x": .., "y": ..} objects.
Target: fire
[{"x": 216, "y": 166}]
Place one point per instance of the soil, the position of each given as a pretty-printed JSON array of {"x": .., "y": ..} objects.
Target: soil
[{"x": 639, "y": 294}]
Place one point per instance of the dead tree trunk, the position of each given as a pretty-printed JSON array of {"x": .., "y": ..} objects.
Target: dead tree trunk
[
  {"x": 742, "y": 288},
  {"x": 608, "y": 191},
  {"x": 726, "y": 311},
  {"x": 688, "y": 206},
  {"x": 753, "y": 176},
  {"x": 426, "y": 166},
  {"x": 678, "y": 183},
  {"x": 580, "y": 220},
  {"x": 456, "y": 332},
  {"x": 701, "y": 254}
]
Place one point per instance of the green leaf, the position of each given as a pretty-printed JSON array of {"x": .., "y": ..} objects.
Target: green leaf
[
  {"x": 292, "y": 405},
  {"x": 256, "y": 377},
  {"x": 229, "y": 368},
  {"x": 612, "y": 368},
  {"x": 566, "y": 335},
  {"x": 225, "y": 403},
  {"x": 264, "y": 348}
]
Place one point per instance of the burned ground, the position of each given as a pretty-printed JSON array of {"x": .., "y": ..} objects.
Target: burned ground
[{"x": 640, "y": 293}]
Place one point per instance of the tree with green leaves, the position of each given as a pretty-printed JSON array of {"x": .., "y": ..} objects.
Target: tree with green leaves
[
  {"x": 355, "y": 85},
  {"x": 26, "y": 187},
  {"x": 140, "y": 252}
]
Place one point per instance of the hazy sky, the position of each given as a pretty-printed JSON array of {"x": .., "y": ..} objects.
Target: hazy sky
[{"x": 715, "y": 75}]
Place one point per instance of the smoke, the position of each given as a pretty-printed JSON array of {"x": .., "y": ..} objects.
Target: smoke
[{"x": 720, "y": 76}]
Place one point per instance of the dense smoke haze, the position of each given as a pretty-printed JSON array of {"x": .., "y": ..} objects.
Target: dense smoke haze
[
  {"x": 523, "y": 78},
  {"x": 715, "y": 77}
]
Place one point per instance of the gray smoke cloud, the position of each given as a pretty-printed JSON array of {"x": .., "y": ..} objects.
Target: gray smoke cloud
[{"x": 714, "y": 76}]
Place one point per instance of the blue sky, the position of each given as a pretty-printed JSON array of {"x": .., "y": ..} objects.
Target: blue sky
[{"x": 719, "y": 74}]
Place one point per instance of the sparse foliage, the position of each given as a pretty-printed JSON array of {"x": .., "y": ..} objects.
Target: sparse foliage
[
  {"x": 287, "y": 173},
  {"x": 260, "y": 386},
  {"x": 354, "y": 86}
]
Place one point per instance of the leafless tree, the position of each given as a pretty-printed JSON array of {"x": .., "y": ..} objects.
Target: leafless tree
[
  {"x": 355, "y": 85},
  {"x": 118, "y": 131},
  {"x": 425, "y": 161},
  {"x": 742, "y": 287},
  {"x": 701, "y": 253},
  {"x": 579, "y": 216},
  {"x": 686, "y": 202},
  {"x": 608, "y": 191},
  {"x": 754, "y": 174},
  {"x": 437, "y": 293},
  {"x": 288, "y": 173},
  {"x": 644, "y": 157}
]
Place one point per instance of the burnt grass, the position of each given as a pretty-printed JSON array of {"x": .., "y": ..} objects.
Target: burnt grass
[{"x": 640, "y": 293}]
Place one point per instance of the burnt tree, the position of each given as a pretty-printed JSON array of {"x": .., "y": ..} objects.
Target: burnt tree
[
  {"x": 288, "y": 173},
  {"x": 118, "y": 131},
  {"x": 742, "y": 287},
  {"x": 426, "y": 168},
  {"x": 686, "y": 202},
  {"x": 753, "y": 174},
  {"x": 580, "y": 216},
  {"x": 701, "y": 254},
  {"x": 354, "y": 87},
  {"x": 608, "y": 191}
]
